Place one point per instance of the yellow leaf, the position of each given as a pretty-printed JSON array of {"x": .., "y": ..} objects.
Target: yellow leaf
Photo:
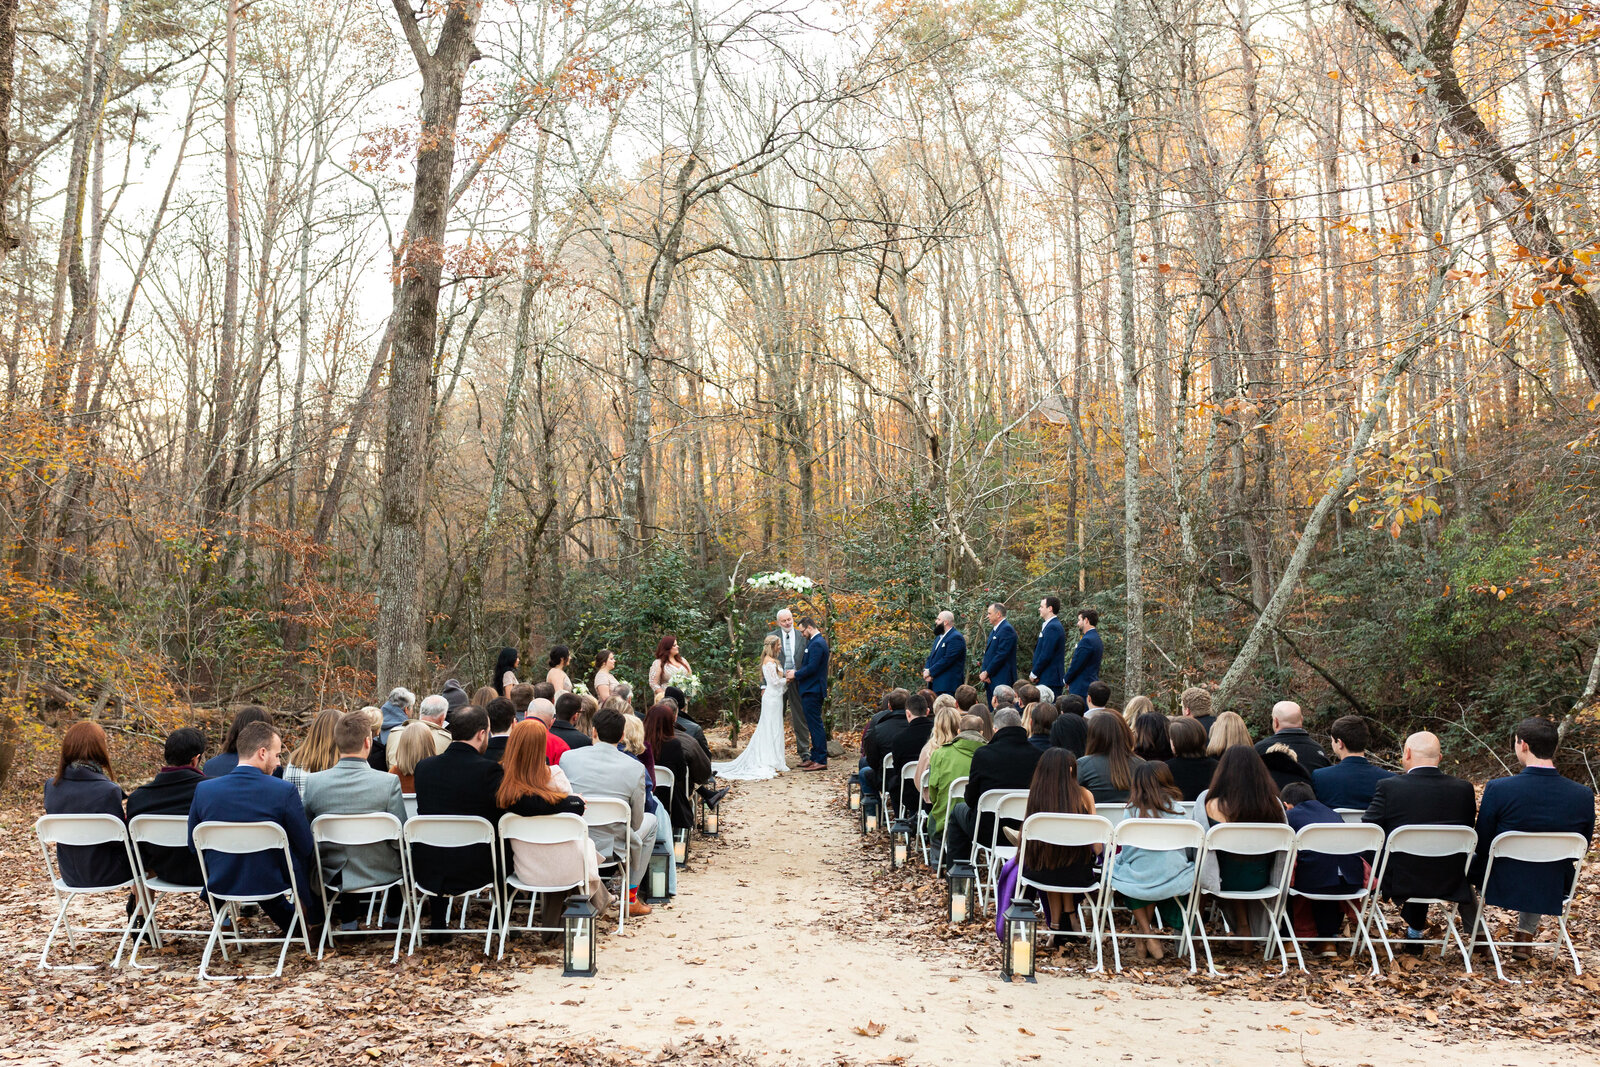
[{"x": 1354, "y": 504}]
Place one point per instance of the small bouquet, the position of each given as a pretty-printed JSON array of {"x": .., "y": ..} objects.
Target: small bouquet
[
  {"x": 689, "y": 683},
  {"x": 579, "y": 689},
  {"x": 794, "y": 583}
]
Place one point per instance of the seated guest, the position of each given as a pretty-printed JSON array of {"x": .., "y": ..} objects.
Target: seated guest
[
  {"x": 461, "y": 780},
  {"x": 455, "y": 696},
  {"x": 249, "y": 793},
  {"x": 1106, "y": 769},
  {"x": 482, "y": 695},
  {"x": 1228, "y": 730},
  {"x": 1241, "y": 791},
  {"x": 1006, "y": 762},
  {"x": 545, "y": 711},
  {"x": 684, "y": 723},
  {"x": 171, "y": 792},
  {"x": 432, "y": 712},
  {"x": 1351, "y": 782},
  {"x": 1070, "y": 731},
  {"x": 352, "y": 787},
  {"x": 948, "y": 762},
  {"x": 1425, "y": 796},
  {"x": 892, "y": 705},
  {"x": 396, "y": 713},
  {"x": 1190, "y": 766},
  {"x": 1537, "y": 799},
  {"x": 1055, "y": 788},
  {"x": 568, "y": 706},
  {"x": 411, "y": 746},
  {"x": 1137, "y": 706},
  {"x": 378, "y": 757},
  {"x": 1315, "y": 872},
  {"x": 1002, "y": 696},
  {"x": 665, "y": 749},
  {"x": 1196, "y": 704},
  {"x": 1147, "y": 880},
  {"x": 907, "y": 750},
  {"x": 1288, "y": 725},
  {"x": 317, "y": 751},
  {"x": 544, "y": 691},
  {"x": 946, "y": 725},
  {"x": 981, "y": 710},
  {"x": 1046, "y": 695},
  {"x": 880, "y": 737},
  {"x": 696, "y": 756},
  {"x": 602, "y": 770},
  {"x": 1027, "y": 693},
  {"x": 502, "y": 715},
  {"x": 83, "y": 786},
  {"x": 966, "y": 696},
  {"x": 1284, "y": 766},
  {"x": 1098, "y": 698},
  {"x": 1038, "y": 719},
  {"x": 228, "y": 758},
  {"x": 520, "y": 695},
  {"x": 528, "y": 789},
  {"x": 1150, "y": 741},
  {"x": 584, "y": 720}
]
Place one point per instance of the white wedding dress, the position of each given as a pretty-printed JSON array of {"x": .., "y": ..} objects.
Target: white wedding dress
[{"x": 763, "y": 757}]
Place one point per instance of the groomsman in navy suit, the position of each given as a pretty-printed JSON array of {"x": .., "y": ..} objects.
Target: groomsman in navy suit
[
  {"x": 1000, "y": 654},
  {"x": 1051, "y": 650},
  {"x": 946, "y": 666},
  {"x": 1085, "y": 669}
]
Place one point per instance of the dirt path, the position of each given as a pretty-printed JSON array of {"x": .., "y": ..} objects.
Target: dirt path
[{"x": 765, "y": 946}]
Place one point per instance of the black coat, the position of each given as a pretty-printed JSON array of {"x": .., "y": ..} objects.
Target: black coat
[
  {"x": 169, "y": 793},
  {"x": 1192, "y": 774},
  {"x": 85, "y": 790},
  {"x": 908, "y": 744},
  {"x": 880, "y": 740},
  {"x": 696, "y": 758},
  {"x": 574, "y": 737},
  {"x": 496, "y": 749},
  {"x": 672, "y": 756},
  {"x": 1006, "y": 762},
  {"x": 1303, "y": 745},
  {"x": 1425, "y": 796},
  {"x": 458, "y": 781},
  {"x": 686, "y": 725}
]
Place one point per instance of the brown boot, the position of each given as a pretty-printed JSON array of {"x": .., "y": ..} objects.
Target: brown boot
[{"x": 1523, "y": 950}]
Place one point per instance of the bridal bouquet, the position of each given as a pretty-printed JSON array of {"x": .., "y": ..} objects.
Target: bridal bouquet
[
  {"x": 689, "y": 683},
  {"x": 794, "y": 583}
]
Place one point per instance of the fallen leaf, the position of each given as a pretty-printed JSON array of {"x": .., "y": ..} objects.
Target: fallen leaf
[{"x": 872, "y": 1029}]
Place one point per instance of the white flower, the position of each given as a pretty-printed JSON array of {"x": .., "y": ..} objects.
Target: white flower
[{"x": 579, "y": 689}]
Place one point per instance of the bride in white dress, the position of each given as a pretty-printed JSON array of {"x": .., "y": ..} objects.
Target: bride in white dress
[{"x": 763, "y": 757}]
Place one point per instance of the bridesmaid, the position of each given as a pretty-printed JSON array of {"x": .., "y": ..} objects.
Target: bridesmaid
[
  {"x": 604, "y": 681},
  {"x": 560, "y": 659}
]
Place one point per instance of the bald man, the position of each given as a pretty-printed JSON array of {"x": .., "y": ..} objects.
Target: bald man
[
  {"x": 1424, "y": 795},
  {"x": 1288, "y": 726},
  {"x": 545, "y": 711},
  {"x": 946, "y": 667}
]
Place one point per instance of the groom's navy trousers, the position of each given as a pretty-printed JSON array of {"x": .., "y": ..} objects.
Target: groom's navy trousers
[{"x": 811, "y": 704}]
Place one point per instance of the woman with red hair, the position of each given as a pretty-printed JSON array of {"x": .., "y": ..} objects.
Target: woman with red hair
[
  {"x": 531, "y": 787},
  {"x": 663, "y": 748},
  {"x": 668, "y": 664},
  {"x": 83, "y": 786}
]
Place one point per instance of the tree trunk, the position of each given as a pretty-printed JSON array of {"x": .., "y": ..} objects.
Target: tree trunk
[{"x": 1132, "y": 541}]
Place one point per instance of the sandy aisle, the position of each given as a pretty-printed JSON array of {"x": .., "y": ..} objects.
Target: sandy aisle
[{"x": 751, "y": 951}]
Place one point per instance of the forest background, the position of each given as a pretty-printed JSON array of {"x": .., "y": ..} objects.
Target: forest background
[{"x": 346, "y": 342}]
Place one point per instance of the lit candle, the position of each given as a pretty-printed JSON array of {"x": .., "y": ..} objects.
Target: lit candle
[
  {"x": 959, "y": 907},
  {"x": 1022, "y": 954},
  {"x": 580, "y": 945}
]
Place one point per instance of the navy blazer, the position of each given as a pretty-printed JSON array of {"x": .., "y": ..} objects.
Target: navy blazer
[
  {"x": 1085, "y": 669},
  {"x": 811, "y": 677},
  {"x": 1048, "y": 655},
  {"x": 1350, "y": 783},
  {"x": 947, "y": 663},
  {"x": 85, "y": 790},
  {"x": 246, "y": 795},
  {"x": 1000, "y": 655},
  {"x": 1318, "y": 872},
  {"x": 1538, "y": 799}
]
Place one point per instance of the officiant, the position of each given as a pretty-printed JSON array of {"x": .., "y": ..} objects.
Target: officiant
[{"x": 946, "y": 666}]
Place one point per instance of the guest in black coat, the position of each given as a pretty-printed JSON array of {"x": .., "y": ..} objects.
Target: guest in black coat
[
  {"x": 568, "y": 705},
  {"x": 907, "y": 751},
  {"x": 83, "y": 786},
  {"x": 1423, "y": 796},
  {"x": 1070, "y": 730},
  {"x": 1289, "y": 729},
  {"x": 1350, "y": 782},
  {"x": 502, "y": 716},
  {"x": 171, "y": 792},
  {"x": 879, "y": 739},
  {"x": 1283, "y": 765},
  {"x": 696, "y": 752},
  {"x": 1190, "y": 766},
  {"x": 667, "y": 749},
  {"x": 1039, "y": 719},
  {"x": 1006, "y": 762},
  {"x": 461, "y": 780},
  {"x": 1317, "y": 872}
]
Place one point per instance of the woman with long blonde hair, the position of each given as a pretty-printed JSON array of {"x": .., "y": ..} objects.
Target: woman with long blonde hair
[
  {"x": 317, "y": 750},
  {"x": 1227, "y": 731},
  {"x": 763, "y": 757},
  {"x": 946, "y": 727}
]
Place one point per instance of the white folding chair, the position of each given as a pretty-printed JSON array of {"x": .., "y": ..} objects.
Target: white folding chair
[
  {"x": 1070, "y": 831},
  {"x": 244, "y": 839},
  {"x": 546, "y": 833},
  {"x": 161, "y": 831},
  {"x": 410, "y": 801},
  {"x": 884, "y": 778},
  {"x": 454, "y": 832},
  {"x": 84, "y": 831},
  {"x": 988, "y": 801},
  {"x": 1013, "y": 807},
  {"x": 1155, "y": 835},
  {"x": 1114, "y": 812},
  {"x": 1330, "y": 839},
  {"x": 908, "y": 776},
  {"x": 957, "y": 790},
  {"x": 1546, "y": 847},
  {"x": 1426, "y": 841},
  {"x": 665, "y": 779},
  {"x": 922, "y": 818},
  {"x": 1351, "y": 814},
  {"x": 614, "y": 813},
  {"x": 1251, "y": 839},
  {"x": 354, "y": 831}
]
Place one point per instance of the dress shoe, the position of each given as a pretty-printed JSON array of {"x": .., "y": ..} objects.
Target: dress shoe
[
  {"x": 715, "y": 797},
  {"x": 638, "y": 909},
  {"x": 1523, "y": 950}
]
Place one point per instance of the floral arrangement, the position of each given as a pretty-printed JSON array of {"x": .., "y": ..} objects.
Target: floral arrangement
[
  {"x": 689, "y": 683},
  {"x": 794, "y": 583},
  {"x": 579, "y": 689}
]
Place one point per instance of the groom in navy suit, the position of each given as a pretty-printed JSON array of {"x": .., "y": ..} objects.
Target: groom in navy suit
[
  {"x": 946, "y": 666},
  {"x": 810, "y": 680},
  {"x": 1000, "y": 654},
  {"x": 1051, "y": 651}
]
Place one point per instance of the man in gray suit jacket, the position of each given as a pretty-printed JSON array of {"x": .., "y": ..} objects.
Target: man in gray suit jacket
[
  {"x": 353, "y": 787},
  {"x": 603, "y": 770},
  {"x": 791, "y": 649}
]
